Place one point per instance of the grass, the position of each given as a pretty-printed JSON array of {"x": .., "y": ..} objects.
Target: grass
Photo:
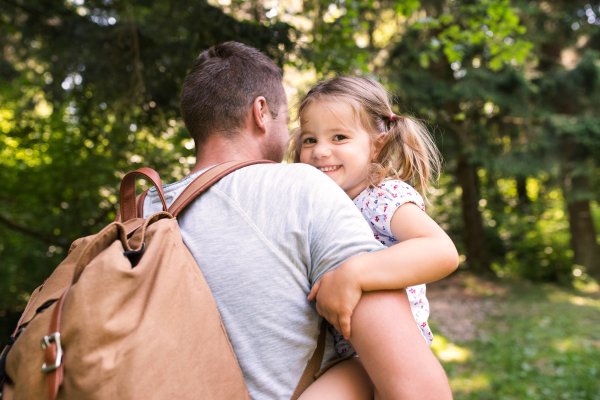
[{"x": 535, "y": 342}]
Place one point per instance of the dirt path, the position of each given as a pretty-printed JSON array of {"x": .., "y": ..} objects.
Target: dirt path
[{"x": 459, "y": 304}]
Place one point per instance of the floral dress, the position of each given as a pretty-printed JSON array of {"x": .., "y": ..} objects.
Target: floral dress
[{"x": 378, "y": 205}]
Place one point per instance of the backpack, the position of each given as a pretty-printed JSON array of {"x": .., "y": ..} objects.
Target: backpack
[{"x": 129, "y": 315}]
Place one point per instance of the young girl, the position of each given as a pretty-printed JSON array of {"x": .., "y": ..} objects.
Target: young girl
[{"x": 348, "y": 131}]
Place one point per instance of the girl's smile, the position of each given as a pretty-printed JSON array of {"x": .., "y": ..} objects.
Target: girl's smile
[
  {"x": 329, "y": 168},
  {"x": 341, "y": 151}
]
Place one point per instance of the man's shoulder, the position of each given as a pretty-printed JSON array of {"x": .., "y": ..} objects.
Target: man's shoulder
[
  {"x": 283, "y": 175},
  {"x": 284, "y": 184},
  {"x": 294, "y": 169}
]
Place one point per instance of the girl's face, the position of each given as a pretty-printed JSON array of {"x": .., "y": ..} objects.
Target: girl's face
[{"x": 342, "y": 152}]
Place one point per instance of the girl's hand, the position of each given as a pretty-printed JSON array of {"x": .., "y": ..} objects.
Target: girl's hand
[{"x": 337, "y": 294}]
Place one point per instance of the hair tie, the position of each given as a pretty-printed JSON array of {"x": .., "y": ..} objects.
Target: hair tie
[{"x": 392, "y": 116}]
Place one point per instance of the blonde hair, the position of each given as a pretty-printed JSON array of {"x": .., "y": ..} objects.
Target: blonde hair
[{"x": 407, "y": 151}]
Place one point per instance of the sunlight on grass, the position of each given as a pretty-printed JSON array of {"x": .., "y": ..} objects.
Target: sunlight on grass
[
  {"x": 563, "y": 345},
  {"x": 582, "y": 301},
  {"x": 447, "y": 351},
  {"x": 470, "y": 383},
  {"x": 586, "y": 286},
  {"x": 561, "y": 296}
]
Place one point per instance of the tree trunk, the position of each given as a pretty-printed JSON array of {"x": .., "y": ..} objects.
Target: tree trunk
[
  {"x": 581, "y": 226},
  {"x": 476, "y": 247},
  {"x": 257, "y": 11},
  {"x": 583, "y": 237},
  {"x": 371, "y": 30},
  {"x": 522, "y": 191},
  {"x": 576, "y": 189}
]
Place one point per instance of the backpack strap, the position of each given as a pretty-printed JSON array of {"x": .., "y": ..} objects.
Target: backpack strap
[
  {"x": 198, "y": 185},
  {"x": 206, "y": 180},
  {"x": 127, "y": 193},
  {"x": 140, "y": 203},
  {"x": 314, "y": 364},
  {"x": 53, "y": 353}
]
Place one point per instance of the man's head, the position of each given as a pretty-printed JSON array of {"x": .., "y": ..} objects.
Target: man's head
[{"x": 226, "y": 83}]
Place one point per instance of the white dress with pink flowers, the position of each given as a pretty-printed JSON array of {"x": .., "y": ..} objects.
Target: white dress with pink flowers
[{"x": 378, "y": 205}]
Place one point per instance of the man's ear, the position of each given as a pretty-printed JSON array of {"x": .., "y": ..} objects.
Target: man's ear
[{"x": 261, "y": 113}]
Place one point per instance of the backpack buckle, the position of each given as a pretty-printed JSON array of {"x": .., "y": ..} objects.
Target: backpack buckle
[{"x": 46, "y": 342}]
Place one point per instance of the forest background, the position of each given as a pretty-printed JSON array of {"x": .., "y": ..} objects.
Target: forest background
[{"x": 89, "y": 90}]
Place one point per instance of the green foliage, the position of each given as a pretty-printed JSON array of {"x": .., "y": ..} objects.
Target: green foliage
[
  {"x": 533, "y": 240},
  {"x": 488, "y": 24}
]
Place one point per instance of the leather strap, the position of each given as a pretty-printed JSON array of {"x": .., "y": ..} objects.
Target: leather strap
[
  {"x": 331, "y": 364},
  {"x": 55, "y": 378},
  {"x": 206, "y": 180},
  {"x": 140, "y": 203},
  {"x": 314, "y": 364},
  {"x": 127, "y": 193},
  {"x": 200, "y": 184}
]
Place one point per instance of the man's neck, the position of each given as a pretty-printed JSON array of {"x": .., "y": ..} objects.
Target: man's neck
[{"x": 217, "y": 150}]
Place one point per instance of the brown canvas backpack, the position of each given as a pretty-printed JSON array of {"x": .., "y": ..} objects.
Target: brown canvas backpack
[{"x": 129, "y": 315}]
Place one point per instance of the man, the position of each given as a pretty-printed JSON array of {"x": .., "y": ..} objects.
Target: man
[{"x": 265, "y": 234}]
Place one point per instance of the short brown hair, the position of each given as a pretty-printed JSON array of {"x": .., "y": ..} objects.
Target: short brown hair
[
  {"x": 221, "y": 87},
  {"x": 408, "y": 152}
]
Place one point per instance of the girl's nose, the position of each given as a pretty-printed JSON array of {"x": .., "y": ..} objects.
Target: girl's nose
[{"x": 321, "y": 151}]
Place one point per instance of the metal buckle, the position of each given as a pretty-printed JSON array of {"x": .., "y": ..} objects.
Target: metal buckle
[{"x": 55, "y": 337}]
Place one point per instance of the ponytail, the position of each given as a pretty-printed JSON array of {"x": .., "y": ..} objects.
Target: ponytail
[{"x": 407, "y": 153}]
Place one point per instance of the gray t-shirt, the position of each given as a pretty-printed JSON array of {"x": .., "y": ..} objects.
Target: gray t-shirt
[{"x": 262, "y": 237}]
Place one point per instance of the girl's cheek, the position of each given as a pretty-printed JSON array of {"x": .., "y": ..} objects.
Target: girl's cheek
[{"x": 303, "y": 156}]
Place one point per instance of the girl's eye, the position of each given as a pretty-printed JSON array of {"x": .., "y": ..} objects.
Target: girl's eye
[
  {"x": 309, "y": 141},
  {"x": 339, "y": 137}
]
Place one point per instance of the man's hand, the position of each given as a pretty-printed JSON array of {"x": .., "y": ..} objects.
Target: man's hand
[{"x": 337, "y": 294}]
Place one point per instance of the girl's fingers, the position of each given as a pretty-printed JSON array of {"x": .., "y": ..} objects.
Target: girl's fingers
[
  {"x": 336, "y": 323},
  {"x": 314, "y": 291},
  {"x": 320, "y": 310},
  {"x": 345, "y": 325}
]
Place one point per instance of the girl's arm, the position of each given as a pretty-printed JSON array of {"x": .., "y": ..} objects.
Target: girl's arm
[{"x": 424, "y": 254}]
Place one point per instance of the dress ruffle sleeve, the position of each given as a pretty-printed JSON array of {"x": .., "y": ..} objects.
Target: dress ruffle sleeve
[{"x": 382, "y": 201}]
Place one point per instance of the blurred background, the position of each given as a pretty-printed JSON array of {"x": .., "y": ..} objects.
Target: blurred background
[{"x": 89, "y": 90}]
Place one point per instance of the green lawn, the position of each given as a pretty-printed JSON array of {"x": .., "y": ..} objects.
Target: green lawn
[{"x": 534, "y": 342}]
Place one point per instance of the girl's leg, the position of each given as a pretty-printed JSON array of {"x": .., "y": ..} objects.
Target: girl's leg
[
  {"x": 346, "y": 380},
  {"x": 392, "y": 350}
]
